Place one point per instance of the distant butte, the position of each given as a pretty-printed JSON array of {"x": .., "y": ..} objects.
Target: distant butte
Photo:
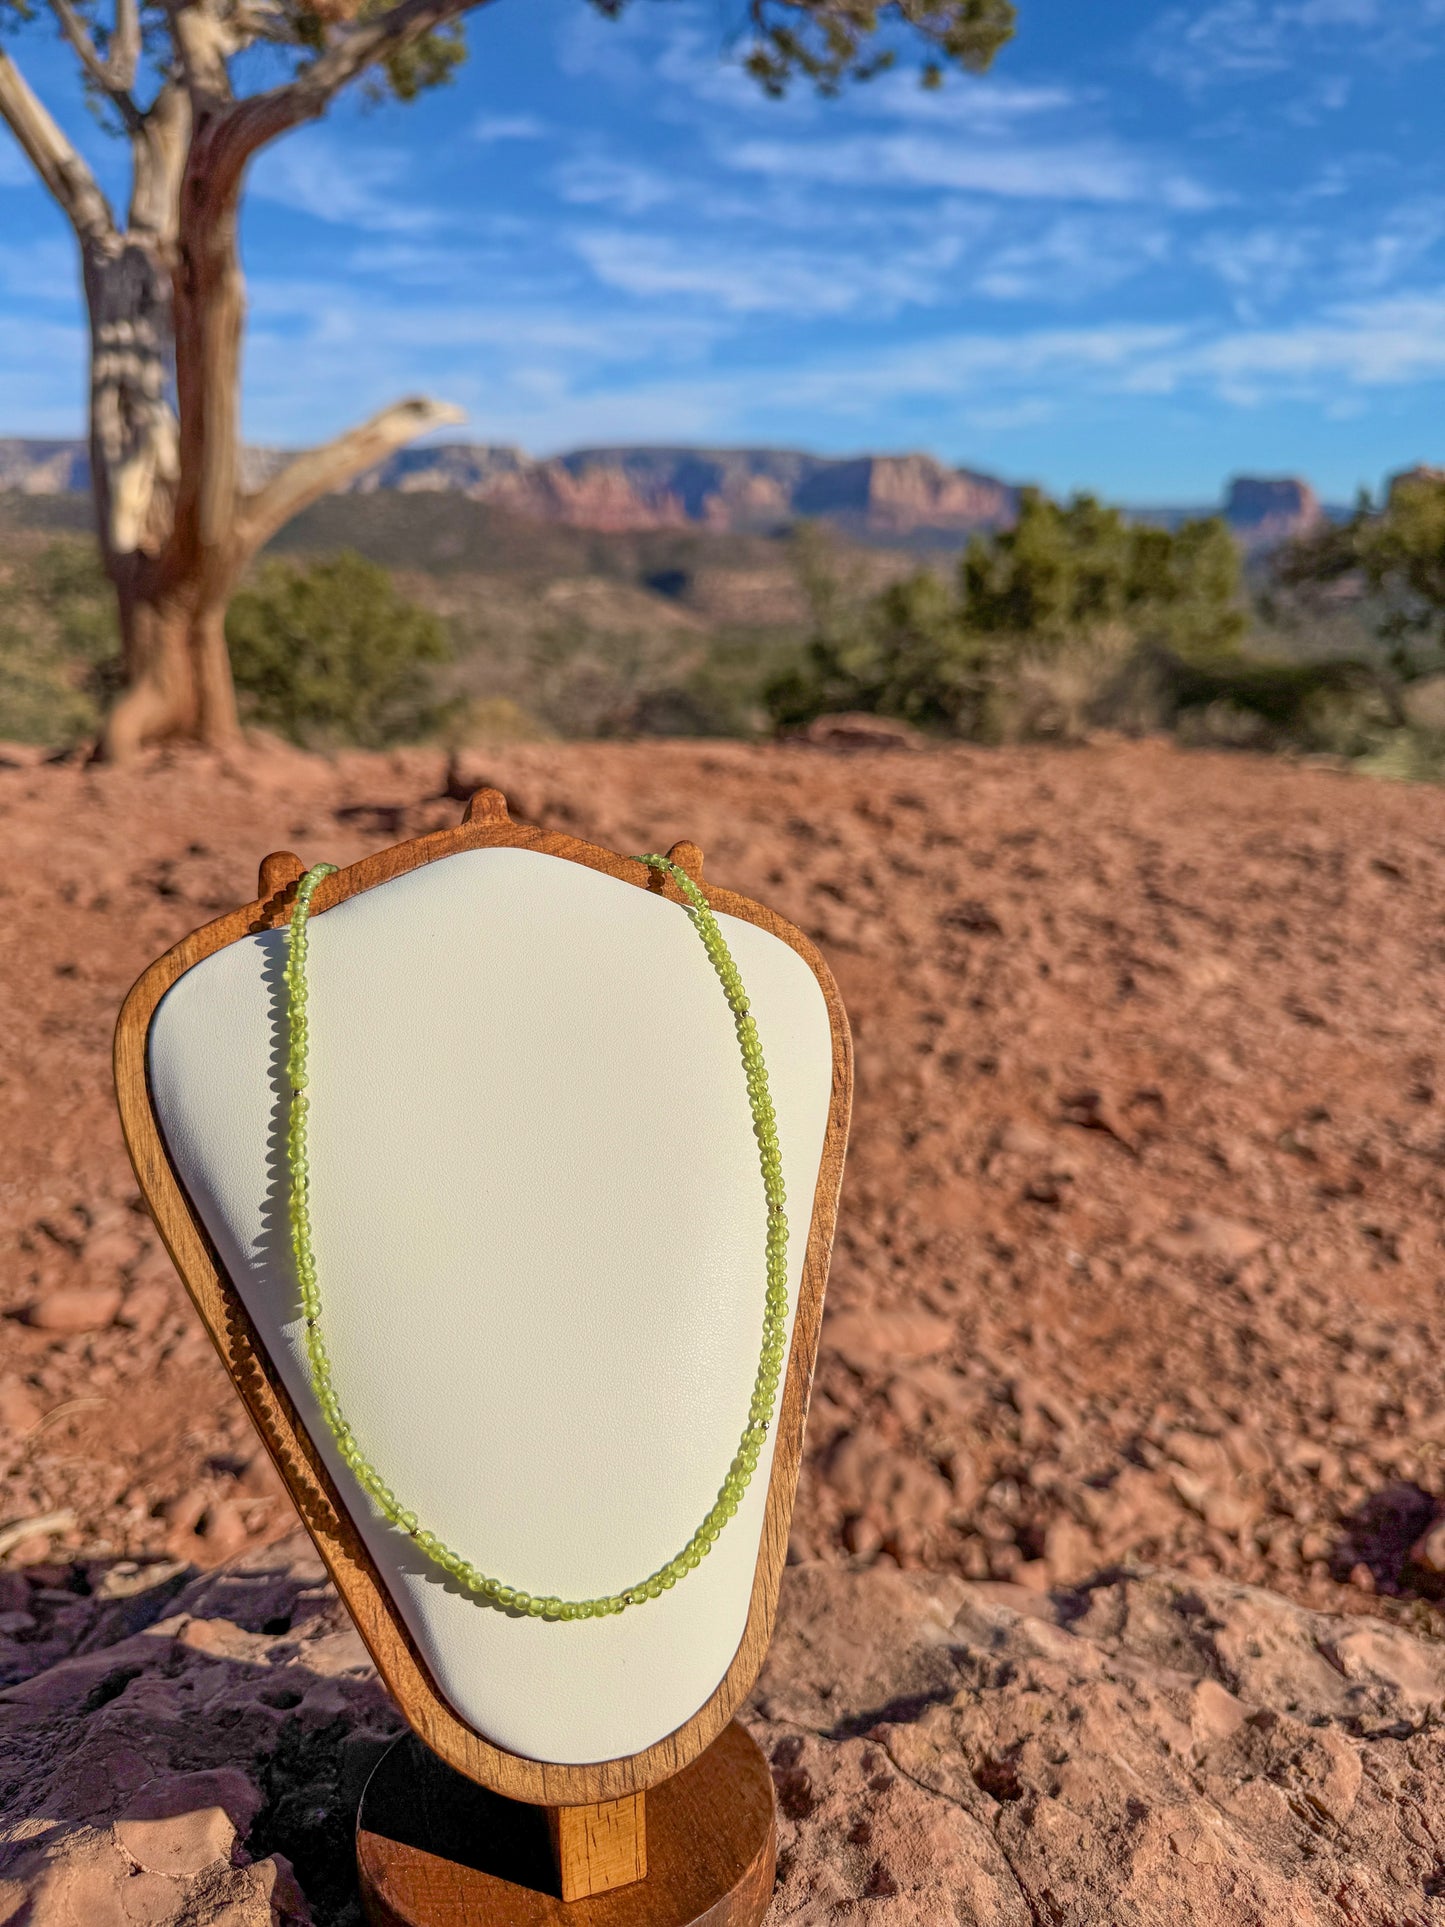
[{"x": 910, "y": 498}]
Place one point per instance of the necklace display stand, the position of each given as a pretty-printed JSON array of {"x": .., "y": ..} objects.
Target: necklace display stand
[{"x": 540, "y": 1238}]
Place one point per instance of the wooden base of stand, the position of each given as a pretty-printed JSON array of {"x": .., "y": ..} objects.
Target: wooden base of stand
[{"x": 434, "y": 1849}]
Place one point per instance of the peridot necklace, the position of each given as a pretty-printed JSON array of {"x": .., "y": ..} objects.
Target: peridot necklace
[{"x": 775, "y": 1316}]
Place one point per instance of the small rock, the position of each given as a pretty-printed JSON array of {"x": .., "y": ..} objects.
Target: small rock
[
  {"x": 1069, "y": 1551},
  {"x": 288, "y": 1903},
  {"x": 225, "y": 1530},
  {"x": 1200, "y": 1234},
  {"x": 113, "y": 1249},
  {"x": 865, "y": 1338},
  {"x": 852, "y": 729},
  {"x": 1024, "y": 1139},
  {"x": 187, "y": 1821},
  {"x": 1429, "y": 1550},
  {"x": 19, "y": 1408},
  {"x": 1216, "y": 1713},
  {"x": 144, "y": 1307},
  {"x": 29, "y": 1551},
  {"x": 76, "y": 1308}
]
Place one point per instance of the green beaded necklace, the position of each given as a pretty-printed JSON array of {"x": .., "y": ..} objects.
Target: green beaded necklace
[{"x": 770, "y": 1362}]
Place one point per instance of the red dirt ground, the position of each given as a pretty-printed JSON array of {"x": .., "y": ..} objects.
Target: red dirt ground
[{"x": 1140, "y": 1257}]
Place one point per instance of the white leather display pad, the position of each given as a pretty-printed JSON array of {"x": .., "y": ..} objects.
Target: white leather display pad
[{"x": 539, "y": 1227}]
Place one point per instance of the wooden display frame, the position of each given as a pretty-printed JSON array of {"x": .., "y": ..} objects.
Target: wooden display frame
[{"x": 486, "y": 825}]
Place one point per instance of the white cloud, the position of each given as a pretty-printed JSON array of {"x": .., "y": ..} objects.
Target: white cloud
[
  {"x": 297, "y": 318},
  {"x": 1085, "y": 171},
  {"x": 1367, "y": 344},
  {"x": 741, "y": 279},
  {"x": 490, "y": 266},
  {"x": 1031, "y": 412},
  {"x": 597, "y": 180},
  {"x": 346, "y": 187},
  {"x": 1239, "y": 40},
  {"x": 964, "y": 100},
  {"x": 491, "y": 128},
  {"x": 549, "y": 378},
  {"x": 963, "y": 370},
  {"x": 1259, "y": 265},
  {"x": 1404, "y": 237},
  {"x": 1351, "y": 346},
  {"x": 1071, "y": 257}
]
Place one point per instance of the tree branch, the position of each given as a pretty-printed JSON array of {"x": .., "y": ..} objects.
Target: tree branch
[
  {"x": 52, "y": 156},
  {"x": 205, "y": 42},
  {"x": 113, "y": 76},
  {"x": 125, "y": 44},
  {"x": 158, "y": 151},
  {"x": 351, "y": 49},
  {"x": 319, "y": 471}
]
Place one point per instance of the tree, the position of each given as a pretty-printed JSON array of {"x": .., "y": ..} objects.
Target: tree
[
  {"x": 1068, "y": 580},
  {"x": 1066, "y": 570},
  {"x": 165, "y": 293},
  {"x": 1395, "y": 556}
]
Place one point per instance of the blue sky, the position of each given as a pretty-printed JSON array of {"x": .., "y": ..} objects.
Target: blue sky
[{"x": 1155, "y": 246}]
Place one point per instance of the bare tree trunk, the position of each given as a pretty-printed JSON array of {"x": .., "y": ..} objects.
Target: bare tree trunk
[
  {"x": 133, "y": 451},
  {"x": 167, "y": 307},
  {"x": 178, "y": 683},
  {"x": 167, "y": 650},
  {"x": 217, "y": 722},
  {"x": 166, "y": 319}
]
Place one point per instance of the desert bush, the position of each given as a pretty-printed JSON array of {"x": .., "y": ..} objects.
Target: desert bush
[
  {"x": 904, "y": 653},
  {"x": 59, "y": 646},
  {"x": 331, "y": 653},
  {"x": 490, "y": 721},
  {"x": 1411, "y": 755},
  {"x": 1060, "y": 692},
  {"x": 1334, "y": 708},
  {"x": 1032, "y": 636},
  {"x": 1391, "y": 556},
  {"x": 42, "y": 699},
  {"x": 1067, "y": 573}
]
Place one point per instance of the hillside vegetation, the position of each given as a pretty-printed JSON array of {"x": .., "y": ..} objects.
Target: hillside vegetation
[{"x": 386, "y": 618}]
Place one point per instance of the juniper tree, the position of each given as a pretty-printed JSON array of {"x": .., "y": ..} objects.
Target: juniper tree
[{"x": 163, "y": 280}]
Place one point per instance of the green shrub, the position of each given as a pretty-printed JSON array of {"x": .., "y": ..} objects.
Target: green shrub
[
  {"x": 42, "y": 698},
  {"x": 1032, "y": 635},
  {"x": 904, "y": 653},
  {"x": 331, "y": 653},
  {"x": 1407, "y": 756},
  {"x": 1390, "y": 557},
  {"x": 1067, "y": 572},
  {"x": 1335, "y": 708},
  {"x": 59, "y": 645}
]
